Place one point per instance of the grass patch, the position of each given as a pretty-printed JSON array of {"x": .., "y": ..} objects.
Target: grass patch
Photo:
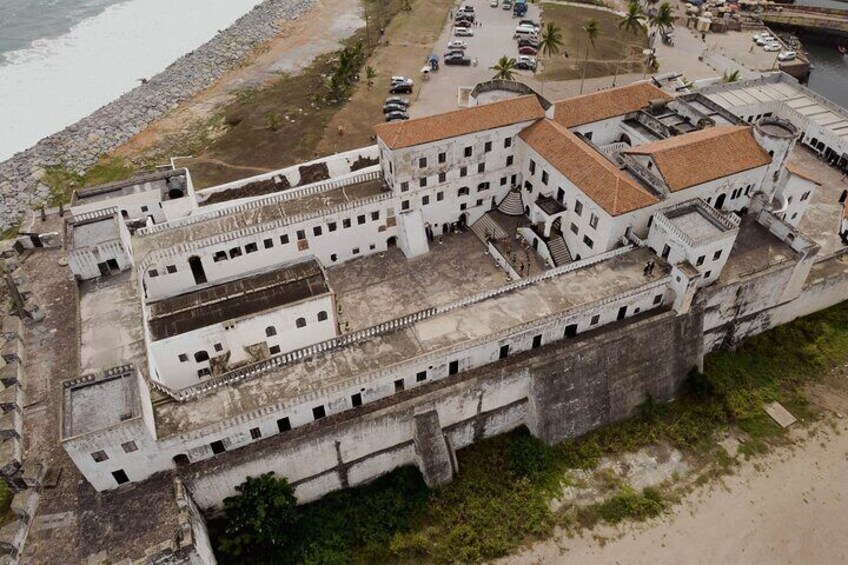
[
  {"x": 62, "y": 181},
  {"x": 500, "y": 498}
]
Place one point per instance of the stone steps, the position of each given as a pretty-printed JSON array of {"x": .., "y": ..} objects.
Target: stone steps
[
  {"x": 559, "y": 250},
  {"x": 486, "y": 227},
  {"x": 511, "y": 205}
]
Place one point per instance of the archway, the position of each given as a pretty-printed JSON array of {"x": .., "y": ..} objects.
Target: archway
[
  {"x": 392, "y": 241},
  {"x": 720, "y": 201},
  {"x": 624, "y": 138},
  {"x": 463, "y": 221},
  {"x": 181, "y": 460}
]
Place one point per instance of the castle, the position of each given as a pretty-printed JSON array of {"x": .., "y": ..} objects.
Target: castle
[{"x": 517, "y": 263}]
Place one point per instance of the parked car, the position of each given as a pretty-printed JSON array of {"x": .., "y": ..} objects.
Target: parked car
[
  {"x": 462, "y": 24},
  {"x": 507, "y": 5},
  {"x": 525, "y": 66},
  {"x": 398, "y": 100},
  {"x": 758, "y": 36},
  {"x": 467, "y": 9},
  {"x": 493, "y": 3},
  {"x": 457, "y": 44},
  {"x": 401, "y": 79},
  {"x": 463, "y": 16},
  {"x": 772, "y": 47},
  {"x": 530, "y": 23},
  {"x": 463, "y": 32},
  {"x": 787, "y": 56},
  {"x": 527, "y": 50},
  {"x": 401, "y": 88},
  {"x": 765, "y": 38},
  {"x": 395, "y": 116},
  {"x": 528, "y": 42},
  {"x": 457, "y": 59},
  {"x": 527, "y": 58},
  {"x": 389, "y": 108}
]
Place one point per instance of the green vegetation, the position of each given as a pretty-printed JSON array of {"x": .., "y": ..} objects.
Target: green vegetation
[
  {"x": 504, "y": 69},
  {"x": 62, "y": 181},
  {"x": 501, "y": 497},
  {"x": 630, "y": 24}
]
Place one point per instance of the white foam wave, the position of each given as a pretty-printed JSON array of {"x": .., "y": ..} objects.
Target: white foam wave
[{"x": 56, "y": 82}]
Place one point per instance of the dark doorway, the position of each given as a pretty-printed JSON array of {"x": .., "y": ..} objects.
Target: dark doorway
[
  {"x": 844, "y": 197},
  {"x": 445, "y": 228},
  {"x": 527, "y": 210},
  {"x": 537, "y": 341},
  {"x": 120, "y": 476},
  {"x": 571, "y": 330},
  {"x": 504, "y": 353},
  {"x": 197, "y": 269},
  {"x": 356, "y": 399},
  {"x": 181, "y": 460},
  {"x": 113, "y": 265},
  {"x": 666, "y": 251},
  {"x": 622, "y": 313},
  {"x": 560, "y": 195},
  {"x": 535, "y": 244},
  {"x": 463, "y": 221},
  {"x": 453, "y": 367},
  {"x": 494, "y": 203},
  {"x": 104, "y": 269},
  {"x": 720, "y": 201},
  {"x": 391, "y": 242}
]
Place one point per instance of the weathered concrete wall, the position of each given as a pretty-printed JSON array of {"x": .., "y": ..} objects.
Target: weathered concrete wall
[
  {"x": 558, "y": 391},
  {"x": 80, "y": 145}
]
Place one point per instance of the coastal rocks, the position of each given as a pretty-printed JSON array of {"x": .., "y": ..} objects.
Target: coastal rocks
[{"x": 78, "y": 146}]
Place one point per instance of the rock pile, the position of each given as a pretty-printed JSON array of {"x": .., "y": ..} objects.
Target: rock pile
[{"x": 78, "y": 146}]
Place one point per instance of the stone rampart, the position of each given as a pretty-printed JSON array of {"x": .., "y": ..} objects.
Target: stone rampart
[{"x": 80, "y": 145}]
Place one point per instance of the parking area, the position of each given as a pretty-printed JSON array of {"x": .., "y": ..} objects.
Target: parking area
[{"x": 492, "y": 39}]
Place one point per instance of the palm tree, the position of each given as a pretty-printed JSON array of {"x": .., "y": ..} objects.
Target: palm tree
[
  {"x": 504, "y": 69},
  {"x": 630, "y": 24},
  {"x": 731, "y": 76},
  {"x": 551, "y": 43},
  {"x": 664, "y": 19},
  {"x": 591, "y": 30}
]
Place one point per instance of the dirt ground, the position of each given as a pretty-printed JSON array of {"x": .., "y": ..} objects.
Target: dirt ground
[{"x": 788, "y": 507}]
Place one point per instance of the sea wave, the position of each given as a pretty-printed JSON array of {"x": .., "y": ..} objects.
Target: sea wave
[{"x": 55, "y": 82}]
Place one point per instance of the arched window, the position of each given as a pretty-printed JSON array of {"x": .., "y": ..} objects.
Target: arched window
[
  {"x": 322, "y": 316},
  {"x": 301, "y": 322},
  {"x": 464, "y": 191},
  {"x": 270, "y": 331},
  {"x": 201, "y": 356}
]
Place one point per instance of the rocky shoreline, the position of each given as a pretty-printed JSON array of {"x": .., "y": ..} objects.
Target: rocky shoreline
[{"x": 78, "y": 146}]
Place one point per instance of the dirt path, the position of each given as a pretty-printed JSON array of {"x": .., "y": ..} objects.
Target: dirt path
[
  {"x": 788, "y": 507},
  {"x": 320, "y": 31}
]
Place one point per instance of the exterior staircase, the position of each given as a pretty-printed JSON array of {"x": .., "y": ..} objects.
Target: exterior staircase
[
  {"x": 487, "y": 227},
  {"x": 559, "y": 251},
  {"x": 512, "y": 205}
]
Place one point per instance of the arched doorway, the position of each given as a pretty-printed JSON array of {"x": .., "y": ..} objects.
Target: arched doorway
[
  {"x": 624, "y": 138},
  {"x": 445, "y": 228},
  {"x": 720, "y": 201},
  {"x": 392, "y": 241},
  {"x": 463, "y": 221},
  {"x": 197, "y": 269},
  {"x": 181, "y": 460}
]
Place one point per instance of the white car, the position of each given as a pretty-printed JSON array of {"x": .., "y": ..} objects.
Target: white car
[
  {"x": 463, "y": 31},
  {"x": 787, "y": 56},
  {"x": 457, "y": 44},
  {"x": 528, "y": 58},
  {"x": 493, "y": 3},
  {"x": 772, "y": 47},
  {"x": 765, "y": 38}
]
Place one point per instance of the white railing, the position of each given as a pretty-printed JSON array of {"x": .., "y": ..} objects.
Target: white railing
[{"x": 96, "y": 214}]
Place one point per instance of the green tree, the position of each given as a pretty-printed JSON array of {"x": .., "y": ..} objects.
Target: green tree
[
  {"x": 261, "y": 521},
  {"x": 631, "y": 24},
  {"x": 590, "y": 28},
  {"x": 504, "y": 69},
  {"x": 731, "y": 76},
  {"x": 664, "y": 19},
  {"x": 550, "y": 43}
]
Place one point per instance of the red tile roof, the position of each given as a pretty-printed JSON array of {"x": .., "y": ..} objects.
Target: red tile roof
[
  {"x": 603, "y": 182},
  {"x": 704, "y": 155},
  {"x": 598, "y": 106},
  {"x": 397, "y": 135}
]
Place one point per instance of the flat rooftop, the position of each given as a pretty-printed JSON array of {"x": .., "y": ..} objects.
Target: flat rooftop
[
  {"x": 145, "y": 182},
  {"x": 111, "y": 326},
  {"x": 287, "y": 385},
  {"x": 95, "y": 403},
  {"x": 93, "y": 232},
  {"x": 232, "y": 221},
  {"x": 694, "y": 220},
  {"x": 245, "y": 296},
  {"x": 376, "y": 289},
  {"x": 755, "y": 249},
  {"x": 824, "y": 213}
]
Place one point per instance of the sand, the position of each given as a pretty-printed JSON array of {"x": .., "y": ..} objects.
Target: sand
[{"x": 787, "y": 507}]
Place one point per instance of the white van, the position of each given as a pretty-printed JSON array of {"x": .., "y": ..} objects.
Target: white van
[{"x": 525, "y": 32}]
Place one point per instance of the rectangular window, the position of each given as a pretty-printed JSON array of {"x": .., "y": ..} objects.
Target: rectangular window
[
  {"x": 545, "y": 177},
  {"x": 487, "y": 147},
  {"x": 588, "y": 241},
  {"x": 658, "y": 299},
  {"x": 301, "y": 235},
  {"x": 332, "y": 226},
  {"x": 570, "y": 331},
  {"x": 537, "y": 341},
  {"x": 217, "y": 447},
  {"x": 404, "y": 205},
  {"x": 346, "y": 223},
  {"x": 805, "y": 196},
  {"x": 481, "y": 167},
  {"x": 504, "y": 352},
  {"x": 578, "y": 207},
  {"x": 574, "y": 229},
  {"x": 319, "y": 412},
  {"x": 503, "y": 181},
  {"x": 219, "y": 256},
  {"x": 284, "y": 239},
  {"x": 443, "y": 177},
  {"x": 468, "y": 152},
  {"x": 171, "y": 269},
  {"x": 595, "y": 319},
  {"x": 360, "y": 219},
  {"x": 422, "y": 162},
  {"x": 284, "y": 424},
  {"x": 622, "y": 313},
  {"x": 129, "y": 447},
  {"x": 219, "y": 347},
  {"x": 717, "y": 255},
  {"x": 463, "y": 171},
  {"x": 443, "y": 157},
  {"x": 251, "y": 248},
  {"x": 355, "y": 251},
  {"x": 404, "y": 186},
  {"x": 317, "y": 231},
  {"x": 479, "y": 202},
  {"x": 183, "y": 357},
  {"x": 153, "y": 273},
  {"x": 268, "y": 243},
  {"x": 356, "y": 399},
  {"x": 375, "y": 216},
  {"x": 399, "y": 385},
  {"x": 700, "y": 261},
  {"x": 507, "y": 143},
  {"x": 509, "y": 160},
  {"x": 421, "y": 376},
  {"x": 425, "y": 200},
  {"x": 255, "y": 433},
  {"x": 422, "y": 182},
  {"x": 99, "y": 456},
  {"x": 235, "y": 252},
  {"x": 274, "y": 350},
  {"x": 453, "y": 367},
  {"x": 440, "y": 196},
  {"x": 532, "y": 167},
  {"x": 463, "y": 206},
  {"x": 707, "y": 275},
  {"x": 120, "y": 476},
  {"x": 593, "y": 221}
]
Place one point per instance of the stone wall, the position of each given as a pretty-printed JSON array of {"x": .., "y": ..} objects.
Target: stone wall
[
  {"x": 558, "y": 391},
  {"x": 80, "y": 145}
]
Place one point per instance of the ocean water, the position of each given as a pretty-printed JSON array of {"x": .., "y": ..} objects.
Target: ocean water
[
  {"x": 60, "y": 60},
  {"x": 829, "y": 76}
]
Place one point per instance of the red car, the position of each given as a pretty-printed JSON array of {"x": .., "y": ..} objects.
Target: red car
[{"x": 527, "y": 50}]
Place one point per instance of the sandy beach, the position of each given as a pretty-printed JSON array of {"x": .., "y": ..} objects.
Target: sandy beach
[{"x": 787, "y": 507}]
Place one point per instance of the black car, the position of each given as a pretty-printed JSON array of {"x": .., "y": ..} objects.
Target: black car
[
  {"x": 389, "y": 108},
  {"x": 395, "y": 116},
  {"x": 528, "y": 43},
  {"x": 400, "y": 88},
  {"x": 397, "y": 100},
  {"x": 457, "y": 59},
  {"x": 525, "y": 66},
  {"x": 454, "y": 53}
]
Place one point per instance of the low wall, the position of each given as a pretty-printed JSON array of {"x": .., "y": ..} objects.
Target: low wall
[
  {"x": 557, "y": 391},
  {"x": 80, "y": 145}
]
